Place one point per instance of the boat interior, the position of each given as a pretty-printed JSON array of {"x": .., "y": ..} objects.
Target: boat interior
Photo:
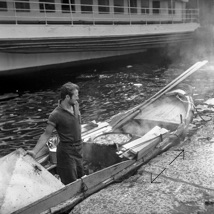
[
  {"x": 165, "y": 113},
  {"x": 159, "y": 119}
]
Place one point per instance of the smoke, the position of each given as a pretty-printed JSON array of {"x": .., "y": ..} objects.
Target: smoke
[
  {"x": 201, "y": 47},
  {"x": 137, "y": 128},
  {"x": 201, "y": 44}
]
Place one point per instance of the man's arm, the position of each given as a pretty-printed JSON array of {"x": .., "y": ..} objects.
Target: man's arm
[{"x": 42, "y": 141}]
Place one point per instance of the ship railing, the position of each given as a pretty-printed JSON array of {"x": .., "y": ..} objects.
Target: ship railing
[{"x": 22, "y": 12}]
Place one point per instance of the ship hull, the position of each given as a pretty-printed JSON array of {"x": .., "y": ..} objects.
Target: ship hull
[{"x": 25, "y": 47}]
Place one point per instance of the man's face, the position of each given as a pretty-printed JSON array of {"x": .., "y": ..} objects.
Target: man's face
[{"x": 74, "y": 98}]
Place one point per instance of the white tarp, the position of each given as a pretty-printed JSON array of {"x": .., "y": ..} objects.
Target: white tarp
[{"x": 23, "y": 181}]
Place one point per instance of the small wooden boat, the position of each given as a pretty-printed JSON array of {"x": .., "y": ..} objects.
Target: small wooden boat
[{"x": 120, "y": 146}]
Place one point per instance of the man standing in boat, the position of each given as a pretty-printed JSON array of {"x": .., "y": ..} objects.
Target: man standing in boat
[{"x": 65, "y": 118}]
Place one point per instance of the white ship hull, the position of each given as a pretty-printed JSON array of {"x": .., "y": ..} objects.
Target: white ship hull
[{"x": 33, "y": 37}]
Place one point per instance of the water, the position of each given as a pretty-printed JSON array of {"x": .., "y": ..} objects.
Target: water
[{"x": 106, "y": 89}]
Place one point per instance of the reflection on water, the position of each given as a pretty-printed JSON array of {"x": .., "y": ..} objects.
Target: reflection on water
[{"x": 104, "y": 92}]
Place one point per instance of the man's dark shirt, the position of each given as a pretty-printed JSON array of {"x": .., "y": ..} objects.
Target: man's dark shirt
[{"x": 67, "y": 124}]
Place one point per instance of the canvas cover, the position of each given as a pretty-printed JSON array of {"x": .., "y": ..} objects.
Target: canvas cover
[{"x": 23, "y": 181}]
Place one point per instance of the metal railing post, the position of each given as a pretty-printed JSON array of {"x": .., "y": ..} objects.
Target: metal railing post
[
  {"x": 46, "y": 21},
  {"x": 130, "y": 16},
  {"x": 71, "y": 13},
  {"x": 93, "y": 14},
  {"x": 113, "y": 14},
  {"x": 14, "y": 7}
]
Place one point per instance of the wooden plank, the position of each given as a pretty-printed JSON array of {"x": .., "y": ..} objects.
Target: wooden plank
[
  {"x": 99, "y": 126},
  {"x": 143, "y": 150},
  {"x": 103, "y": 127},
  {"x": 156, "y": 131},
  {"x": 152, "y": 152},
  {"x": 75, "y": 188},
  {"x": 144, "y": 146}
]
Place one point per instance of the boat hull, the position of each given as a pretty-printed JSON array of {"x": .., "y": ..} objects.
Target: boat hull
[
  {"x": 146, "y": 148},
  {"x": 29, "y": 48}
]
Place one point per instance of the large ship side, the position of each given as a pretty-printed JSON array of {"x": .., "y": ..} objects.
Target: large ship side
[{"x": 37, "y": 33}]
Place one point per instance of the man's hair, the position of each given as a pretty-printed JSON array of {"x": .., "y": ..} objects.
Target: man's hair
[{"x": 68, "y": 89}]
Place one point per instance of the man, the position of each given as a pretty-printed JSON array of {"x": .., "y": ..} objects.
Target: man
[{"x": 65, "y": 118}]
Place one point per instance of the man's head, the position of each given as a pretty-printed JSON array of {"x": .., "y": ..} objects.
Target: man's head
[{"x": 70, "y": 92}]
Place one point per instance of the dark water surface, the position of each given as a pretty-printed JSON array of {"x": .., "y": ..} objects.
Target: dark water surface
[{"x": 106, "y": 89}]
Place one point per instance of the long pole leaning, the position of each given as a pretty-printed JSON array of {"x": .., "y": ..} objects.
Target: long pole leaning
[{"x": 131, "y": 113}]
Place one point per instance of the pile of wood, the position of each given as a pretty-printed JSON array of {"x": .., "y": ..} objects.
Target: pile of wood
[{"x": 139, "y": 146}]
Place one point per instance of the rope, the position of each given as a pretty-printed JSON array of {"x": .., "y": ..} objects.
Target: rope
[
  {"x": 186, "y": 101},
  {"x": 175, "y": 135},
  {"x": 193, "y": 105},
  {"x": 84, "y": 188},
  {"x": 201, "y": 116}
]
